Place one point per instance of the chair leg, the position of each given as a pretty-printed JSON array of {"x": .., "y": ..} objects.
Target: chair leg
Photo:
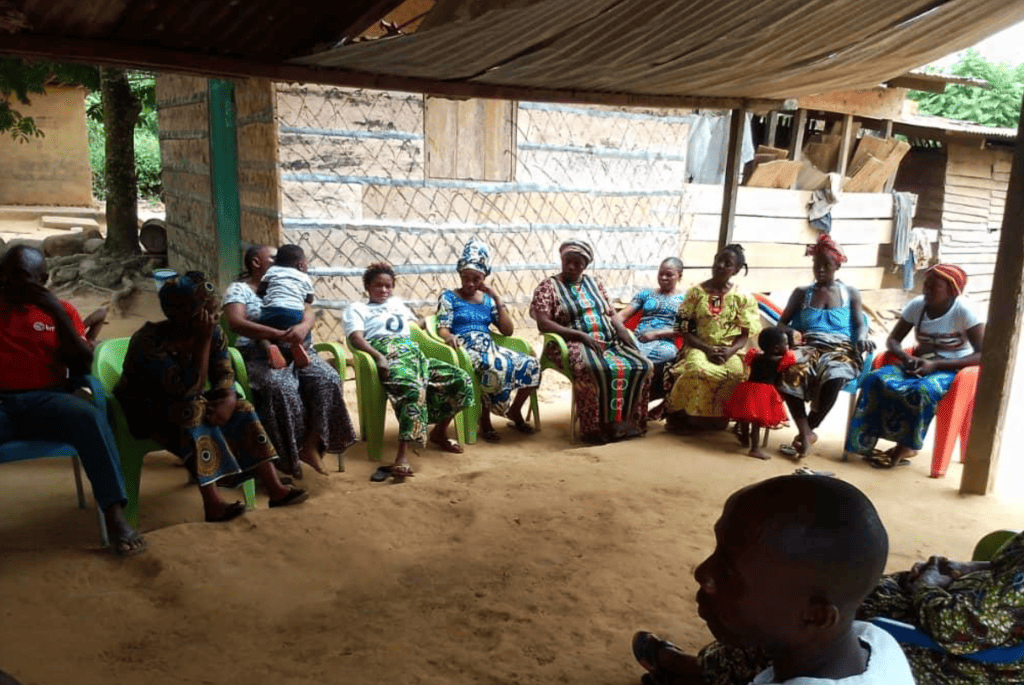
[
  {"x": 341, "y": 462},
  {"x": 535, "y": 410},
  {"x": 948, "y": 421},
  {"x": 249, "y": 492},
  {"x": 104, "y": 538},
  {"x": 572, "y": 420},
  {"x": 77, "y": 466},
  {"x": 849, "y": 417}
]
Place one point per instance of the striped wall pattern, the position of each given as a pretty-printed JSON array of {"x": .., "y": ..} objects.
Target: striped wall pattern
[{"x": 354, "y": 190}]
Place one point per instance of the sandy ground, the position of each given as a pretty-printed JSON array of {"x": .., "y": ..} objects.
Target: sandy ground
[{"x": 524, "y": 562}]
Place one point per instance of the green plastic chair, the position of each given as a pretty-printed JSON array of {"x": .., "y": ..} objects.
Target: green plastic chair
[
  {"x": 562, "y": 367},
  {"x": 990, "y": 544},
  {"x": 107, "y": 364},
  {"x": 373, "y": 399},
  {"x": 467, "y": 423}
]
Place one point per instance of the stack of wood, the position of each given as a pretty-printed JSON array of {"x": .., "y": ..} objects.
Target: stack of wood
[{"x": 874, "y": 161}]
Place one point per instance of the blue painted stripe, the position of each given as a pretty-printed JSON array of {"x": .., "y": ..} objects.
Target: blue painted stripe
[
  {"x": 604, "y": 152},
  {"x": 424, "y": 227},
  {"x": 606, "y": 114},
  {"x": 478, "y": 186},
  {"x": 415, "y": 269},
  {"x": 346, "y": 133}
]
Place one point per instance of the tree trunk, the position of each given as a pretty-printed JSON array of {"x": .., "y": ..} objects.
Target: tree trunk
[{"x": 121, "y": 111}]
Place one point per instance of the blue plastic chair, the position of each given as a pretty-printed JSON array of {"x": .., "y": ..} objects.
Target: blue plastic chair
[
  {"x": 22, "y": 450},
  {"x": 908, "y": 634}
]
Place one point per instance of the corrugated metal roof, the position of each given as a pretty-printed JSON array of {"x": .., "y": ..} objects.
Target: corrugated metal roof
[
  {"x": 614, "y": 51},
  {"x": 732, "y": 48},
  {"x": 920, "y": 125}
]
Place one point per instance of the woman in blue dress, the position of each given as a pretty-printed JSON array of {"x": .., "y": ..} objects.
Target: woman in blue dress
[
  {"x": 657, "y": 308},
  {"x": 464, "y": 317}
]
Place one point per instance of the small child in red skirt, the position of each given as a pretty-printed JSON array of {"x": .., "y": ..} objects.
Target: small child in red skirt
[{"x": 756, "y": 403}]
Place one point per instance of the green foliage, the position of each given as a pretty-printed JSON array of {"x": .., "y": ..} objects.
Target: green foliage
[
  {"x": 998, "y": 106},
  {"x": 147, "y": 160},
  {"x": 20, "y": 79}
]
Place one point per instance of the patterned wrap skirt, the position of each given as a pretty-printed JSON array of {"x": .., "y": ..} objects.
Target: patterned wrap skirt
[{"x": 502, "y": 372}]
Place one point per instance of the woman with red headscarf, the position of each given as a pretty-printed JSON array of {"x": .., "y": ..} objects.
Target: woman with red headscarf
[
  {"x": 828, "y": 315},
  {"x": 897, "y": 402}
]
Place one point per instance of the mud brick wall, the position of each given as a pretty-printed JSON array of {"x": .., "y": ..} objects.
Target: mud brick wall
[
  {"x": 184, "y": 117},
  {"x": 354, "y": 190},
  {"x": 258, "y": 190}
]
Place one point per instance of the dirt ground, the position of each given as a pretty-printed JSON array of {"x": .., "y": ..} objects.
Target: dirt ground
[{"x": 527, "y": 561}]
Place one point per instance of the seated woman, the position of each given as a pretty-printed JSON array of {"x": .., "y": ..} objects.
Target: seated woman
[
  {"x": 464, "y": 317},
  {"x": 897, "y": 402},
  {"x": 161, "y": 389},
  {"x": 964, "y": 606},
  {"x": 716, "y": 320},
  {"x": 422, "y": 390},
  {"x": 302, "y": 409},
  {"x": 655, "y": 332},
  {"x": 829, "y": 316},
  {"x": 611, "y": 378}
]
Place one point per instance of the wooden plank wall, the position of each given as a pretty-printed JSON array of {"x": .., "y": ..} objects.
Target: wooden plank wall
[
  {"x": 923, "y": 172},
  {"x": 772, "y": 226},
  {"x": 972, "y": 213},
  {"x": 258, "y": 190},
  {"x": 355, "y": 188}
]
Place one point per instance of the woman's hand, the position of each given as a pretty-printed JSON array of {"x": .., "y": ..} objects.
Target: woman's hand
[
  {"x": 865, "y": 346},
  {"x": 486, "y": 289},
  {"x": 293, "y": 336},
  {"x": 205, "y": 322},
  {"x": 647, "y": 337},
  {"x": 720, "y": 355},
  {"x": 591, "y": 342},
  {"x": 219, "y": 411},
  {"x": 383, "y": 368}
]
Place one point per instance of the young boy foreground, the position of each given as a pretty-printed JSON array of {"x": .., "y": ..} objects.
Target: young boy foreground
[{"x": 794, "y": 558}]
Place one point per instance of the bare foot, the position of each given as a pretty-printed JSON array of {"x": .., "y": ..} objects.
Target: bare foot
[
  {"x": 274, "y": 358},
  {"x": 312, "y": 457},
  {"x": 903, "y": 452},
  {"x": 125, "y": 541},
  {"x": 758, "y": 453},
  {"x": 300, "y": 356}
]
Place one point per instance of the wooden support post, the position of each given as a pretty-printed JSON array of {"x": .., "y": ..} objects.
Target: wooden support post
[
  {"x": 845, "y": 146},
  {"x": 733, "y": 160},
  {"x": 887, "y": 133},
  {"x": 773, "y": 128},
  {"x": 224, "y": 178},
  {"x": 886, "y": 128},
  {"x": 796, "y": 138},
  {"x": 1002, "y": 335}
]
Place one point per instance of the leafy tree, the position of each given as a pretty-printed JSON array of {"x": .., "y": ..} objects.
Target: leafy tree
[
  {"x": 123, "y": 100},
  {"x": 998, "y": 106}
]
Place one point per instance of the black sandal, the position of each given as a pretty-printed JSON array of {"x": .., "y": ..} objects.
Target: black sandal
[
  {"x": 230, "y": 513},
  {"x": 294, "y": 496}
]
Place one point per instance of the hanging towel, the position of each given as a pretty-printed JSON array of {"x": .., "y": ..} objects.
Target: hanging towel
[
  {"x": 903, "y": 206},
  {"x": 921, "y": 248}
]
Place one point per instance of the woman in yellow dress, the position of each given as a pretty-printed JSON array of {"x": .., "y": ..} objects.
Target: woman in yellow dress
[{"x": 716, "y": 320}]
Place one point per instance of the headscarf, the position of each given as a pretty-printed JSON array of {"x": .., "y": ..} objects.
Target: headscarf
[
  {"x": 956, "y": 276},
  {"x": 827, "y": 247},
  {"x": 476, "y": 256},
  {"x": 181, "y": 297},
  {"x": 576, "y": 246}
]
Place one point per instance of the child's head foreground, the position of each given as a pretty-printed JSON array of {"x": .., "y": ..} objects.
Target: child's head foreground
[
  {"x": 291, "y": 256},
  {"x": 794, "y": 558},
  {"x": 773, "y": 341}
]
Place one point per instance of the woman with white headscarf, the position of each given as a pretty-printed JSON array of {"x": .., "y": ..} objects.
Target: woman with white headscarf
[
  {"x": 611, "y": 377},
  {"x": 464, "y": 318}
]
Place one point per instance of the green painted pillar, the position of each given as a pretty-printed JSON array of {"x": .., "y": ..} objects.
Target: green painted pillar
[{"x": 224, "y": 179}]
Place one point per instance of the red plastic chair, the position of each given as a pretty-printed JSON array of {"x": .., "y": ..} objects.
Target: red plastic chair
[{"x": 952, "y": 416}]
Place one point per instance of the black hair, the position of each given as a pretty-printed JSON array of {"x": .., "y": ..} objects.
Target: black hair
[
  {"x": 289, "y": 255},
  {"x": 825, "y": 525},
  {"x": 770, "y": 337},
  {"x": 741, "y": 257},
  {"x": 248, "y": 258},
  {"x": 7, "y": 679},
  {"x": 674, "y": 263},
  {"x": 376, "y": 269}
]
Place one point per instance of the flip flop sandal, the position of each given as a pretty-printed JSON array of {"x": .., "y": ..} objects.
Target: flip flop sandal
[
  {"x": 788, "y": 449},
  {"x": 399, "y": 472},
  {"x": 522, "y": 427},
  {"x": 491, "y": 436},
  {"x": 381, "y": 474},
  {"x": 231, "y": 512},
  {"x": 645, "y": 649},
  {"x": 294, "y": 496},
  {"x": 449, "y": 446}
]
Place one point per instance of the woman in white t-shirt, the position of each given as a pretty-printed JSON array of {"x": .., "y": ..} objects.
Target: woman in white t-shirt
[
  {"x": 898, "y": 401},
  {"x": 423, "y": 391}
]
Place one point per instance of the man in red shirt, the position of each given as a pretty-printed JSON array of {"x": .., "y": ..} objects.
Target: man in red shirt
[{"x": 42, "y": 345}]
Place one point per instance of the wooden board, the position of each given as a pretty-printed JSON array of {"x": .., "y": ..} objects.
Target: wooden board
[
  {"x": 751, "y": 229},
  {"x": 770, "y": 202},
  {"x": 876, "y": 103},
  {"x": 823, "y": 153},
  {"x": 775, "y": 152},
  {"x": 811, "y": 178},
  {"x": 872, "y": 146},
  {"x": 778, "y": 174},
  {"x": 702, "y": 252},
  {"x": 869, "y": 177}
]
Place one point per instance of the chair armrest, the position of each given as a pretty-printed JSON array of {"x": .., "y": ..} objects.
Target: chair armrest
[
  {"x": 431, "y": 347},
  {"x": 563, "y": 351},
  {"x": 337, "y": 352},
  {"x": 513, "y": 343},
  {"x": 238, "y": 364}
]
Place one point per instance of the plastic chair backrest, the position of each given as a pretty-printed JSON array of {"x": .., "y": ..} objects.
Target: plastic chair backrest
[
  {"x": 908, "y": 634},
  {"x": 632, "y": 322},
  {"x": 108, "y": 361}
]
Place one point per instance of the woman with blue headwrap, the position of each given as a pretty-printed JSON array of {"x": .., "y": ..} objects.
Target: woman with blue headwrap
[
  {"x": 163, "y": 392},
  {"x": 464, "y": 318}
]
